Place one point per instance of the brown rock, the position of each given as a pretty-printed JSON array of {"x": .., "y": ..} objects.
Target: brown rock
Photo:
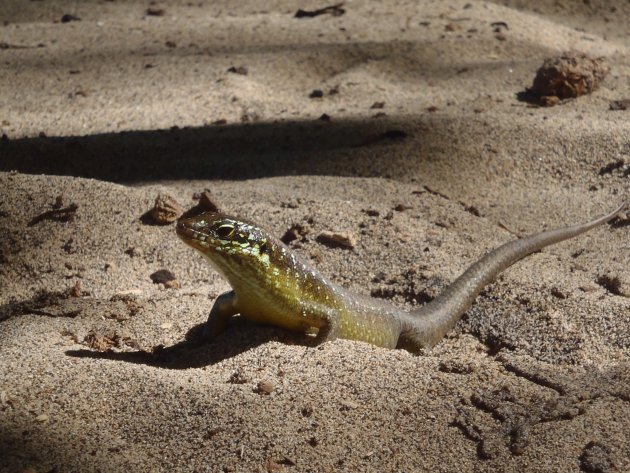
[
  {"x": 208, "y": 202},
  {"x": 166, "y": 209},
  {"x": 569, "y": 75},
  {"x": 266, "y": 386},
  {"x": 166, "y": 277}
]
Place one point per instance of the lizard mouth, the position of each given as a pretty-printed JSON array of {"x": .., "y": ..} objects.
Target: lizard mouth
[
  {"x": 189, "y": 234},
  {"x": 184, "y": 230}
]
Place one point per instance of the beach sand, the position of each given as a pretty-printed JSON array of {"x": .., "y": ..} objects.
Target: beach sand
[{"x": 418, "y": 146}]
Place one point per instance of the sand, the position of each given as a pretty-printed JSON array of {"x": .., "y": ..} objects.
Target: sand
[{"x": 418, "y": 147}]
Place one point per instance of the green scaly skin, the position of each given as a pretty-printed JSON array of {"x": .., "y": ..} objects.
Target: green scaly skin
[{"x": 272, "y": 285}]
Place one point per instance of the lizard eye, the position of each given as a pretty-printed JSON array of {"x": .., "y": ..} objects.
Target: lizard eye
[
  {"x": 225, "y": 231},
  {"x": 263, "y": 247}
]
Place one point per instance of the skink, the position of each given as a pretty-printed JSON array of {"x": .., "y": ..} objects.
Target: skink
[{"x": 271, "y": 285}]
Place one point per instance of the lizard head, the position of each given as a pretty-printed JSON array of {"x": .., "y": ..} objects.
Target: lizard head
[
  {"x": 232, "y": 246},
  {"x": 262, "y": 271}
]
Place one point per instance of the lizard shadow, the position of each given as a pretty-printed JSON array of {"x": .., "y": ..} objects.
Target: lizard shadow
[
  {"x": 230, "y": 151},
  {"x": 194, "y": 351}
]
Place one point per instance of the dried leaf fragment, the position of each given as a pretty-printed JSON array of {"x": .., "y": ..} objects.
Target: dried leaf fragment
[
  {"x": 66, "y": 214},
  {"x": 334, "y": 10},
  {"x": 102, "y": 341}
]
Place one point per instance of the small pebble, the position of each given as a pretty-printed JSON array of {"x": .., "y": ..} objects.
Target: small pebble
[
  {"x": 266, "y": 386},
  {"x": 166, "y": 209},
  {"x": 337, "y": 239}
]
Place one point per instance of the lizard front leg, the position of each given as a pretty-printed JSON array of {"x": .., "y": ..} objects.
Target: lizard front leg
[{"x": 224, "y": 308}]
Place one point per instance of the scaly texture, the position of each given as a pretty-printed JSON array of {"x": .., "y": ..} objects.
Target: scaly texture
[{"x": 271, "y": 285}]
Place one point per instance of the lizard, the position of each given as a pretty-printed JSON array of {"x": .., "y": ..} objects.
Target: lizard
[{"x": 272, "y": 285}]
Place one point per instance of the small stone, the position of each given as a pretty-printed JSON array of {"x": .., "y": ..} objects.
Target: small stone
[
  {"x": 58, "y": 202},
  {"x": 155, "y": 11},
  {"x": 402, "y": 207},
  {"x": 558, "y": 293},
  {"x": 238, "y": 377},
  {"x": 162, "y": 276},
  {"x": 241, "y": 70},
  {"x": 75, "y": 291},
  {"x": 67, "y": 18},
  {"x": 68, "y": 246},
  {"x": 316, "y": 94},
  {"x": 42, "y": 418},
  {"x": 337, "y": 240},
  {"x": 272, "y": 466},
  {"x": 265, "y": 386},
  {"x": 348, "y": 404},
  {"x": 611, "y": 283},
  {"x": 569, "y": 75},
  {"x": 295, "y": 232},
  {"x": 166, "y": 209},
  {"x": 596, "y": 457},
  {"x": 208, "y": 202},
  {"x": 134, "y": 252},
  {"x": 623, "y": 104}
]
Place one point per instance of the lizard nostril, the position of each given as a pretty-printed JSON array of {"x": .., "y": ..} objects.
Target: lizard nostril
[{"x": 183, "y": 228}]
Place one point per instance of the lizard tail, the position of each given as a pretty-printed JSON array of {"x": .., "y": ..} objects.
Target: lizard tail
[{"x": 430, "y": 323}]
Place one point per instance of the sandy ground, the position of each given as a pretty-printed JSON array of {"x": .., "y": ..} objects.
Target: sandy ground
[{"x": 418, "y": 147}]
